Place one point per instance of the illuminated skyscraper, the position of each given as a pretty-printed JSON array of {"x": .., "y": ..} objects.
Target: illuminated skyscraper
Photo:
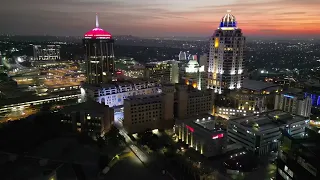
[
  {"x": 99, "y": 55},
  {"x": 226, "y": 55}
]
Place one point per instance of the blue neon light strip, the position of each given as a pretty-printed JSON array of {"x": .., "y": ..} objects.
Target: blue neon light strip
[{"x": 288, "y": 96}]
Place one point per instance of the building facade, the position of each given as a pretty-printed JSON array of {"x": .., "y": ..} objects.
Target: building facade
[
  {"x": 89, "y": 117},
  {"x": 99, "y": 55},
  {"x": 113, "y": 94},
  {"x": 163, "y": 71},
  {"x": 192, "y": 102},
  {"x": 200, "y": 133},
  {"x": 156, "y": 111},
  {"x": 195, "y": 75},
  {"x": 255, "y": 96},
  {"x": 46, "y": 52},
  {"x": 294, "y": 103},
  {"x": 148, "y": 112},
  {"x": 226, "y": 56},
  {"x": 260, "y": 134}
]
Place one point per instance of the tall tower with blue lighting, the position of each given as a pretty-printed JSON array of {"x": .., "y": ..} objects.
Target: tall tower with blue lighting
[{"x": 226, "y": 56}]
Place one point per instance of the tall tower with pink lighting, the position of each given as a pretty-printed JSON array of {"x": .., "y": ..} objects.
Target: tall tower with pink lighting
[
  {"x": 226, "y": 56},
  {"x": 99, "y": 55}
]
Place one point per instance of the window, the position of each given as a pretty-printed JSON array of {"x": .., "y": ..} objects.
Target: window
[
  {"x": 287, "y": 170},
  {"x": 284, "y": 175}
]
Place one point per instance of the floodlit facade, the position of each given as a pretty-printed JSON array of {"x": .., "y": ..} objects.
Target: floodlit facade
[
  {"x": 46, "y": 52},
  {"x": 200, "y": 133},
  {"x": 294, "y": 103},
  {"x": 99, "y": 55},
  {"x": 226, "y": 56},
  {"x": 261, "y": 133},
  {"x": 113, "y": 94},
  {"x": 195, "y": 75},
  {"x": 163, "y": 71},
  {"x": 255, "y": 96}
]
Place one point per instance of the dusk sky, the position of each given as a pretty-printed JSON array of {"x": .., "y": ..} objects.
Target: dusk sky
[{"x": 159, "y": 17}]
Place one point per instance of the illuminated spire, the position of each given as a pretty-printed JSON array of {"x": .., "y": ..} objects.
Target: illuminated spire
[{"x": 97, "y": 21}]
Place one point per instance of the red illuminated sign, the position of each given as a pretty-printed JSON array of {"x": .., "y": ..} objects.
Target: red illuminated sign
[
  {"x": 119, "y": 72},
  {"x": 218, "y": 136},
  {"x": 190, "y": 128}
]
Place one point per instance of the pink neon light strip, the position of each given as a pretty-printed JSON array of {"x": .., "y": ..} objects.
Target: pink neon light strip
[
  {"x": 218, "y": 136},
  {"x": 190, "y": 128}
]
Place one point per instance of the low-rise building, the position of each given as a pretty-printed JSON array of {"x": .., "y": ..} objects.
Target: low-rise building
[
  {"x": 113, "y": 94},
  {"x": 261, "y": 133},
  {"x": 89, "y": 117},
  {"x": 200, "y": 133}
]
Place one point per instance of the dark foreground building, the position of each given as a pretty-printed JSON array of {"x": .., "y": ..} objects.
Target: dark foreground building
[{"x": 299, "y": 157}]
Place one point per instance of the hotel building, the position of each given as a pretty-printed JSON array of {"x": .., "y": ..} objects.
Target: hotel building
[{"x": 226, "y": 56}]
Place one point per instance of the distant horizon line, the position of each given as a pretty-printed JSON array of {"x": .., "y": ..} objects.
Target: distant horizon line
[{"x": 170, "y": 36}]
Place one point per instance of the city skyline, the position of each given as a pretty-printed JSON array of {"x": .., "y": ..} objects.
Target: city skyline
[{"x": 261, "y": 18}]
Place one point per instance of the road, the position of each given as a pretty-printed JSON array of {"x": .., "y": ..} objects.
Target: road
[{"x": 142, "y": 156}]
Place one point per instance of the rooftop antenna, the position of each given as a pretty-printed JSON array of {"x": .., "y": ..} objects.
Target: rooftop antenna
[{"x": 97, "y": 21}]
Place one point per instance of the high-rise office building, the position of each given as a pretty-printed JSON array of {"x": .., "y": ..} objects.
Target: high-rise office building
[
  {"x": 46, "y": 52},
  {"x": 99, "y": 55},
  {"x": 226, "y": 55}
]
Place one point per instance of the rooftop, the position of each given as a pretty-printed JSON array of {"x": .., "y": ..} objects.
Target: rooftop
[
  {"x": 97, "y": 33},
  {"x": 142, "y": 99},
  {"x": 257, "y": 85},
  {"x": 202, "y": 123},
  {"x": 88, "y": 106},
  {"x": 228, "y": 22},
  {"x": 267, "y": 120}
]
